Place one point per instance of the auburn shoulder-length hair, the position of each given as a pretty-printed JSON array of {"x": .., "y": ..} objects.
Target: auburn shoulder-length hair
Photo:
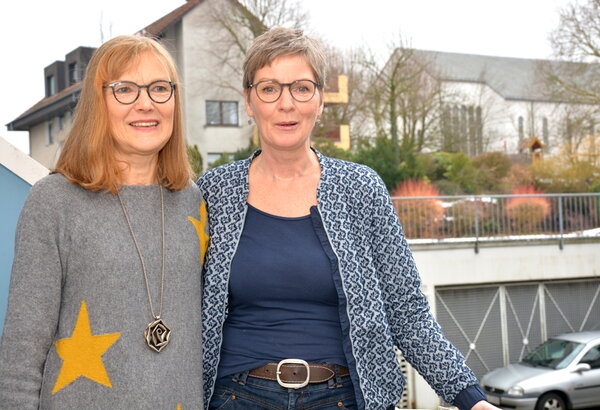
[{"x": 88, "y": 156}]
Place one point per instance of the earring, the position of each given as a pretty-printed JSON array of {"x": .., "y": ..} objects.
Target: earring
[
  {"x": 318, "y": 121},
  {"x": 250, "y": 121}
]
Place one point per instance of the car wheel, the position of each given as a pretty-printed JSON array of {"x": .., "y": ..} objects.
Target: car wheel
[{"x": 551, "y": 401}]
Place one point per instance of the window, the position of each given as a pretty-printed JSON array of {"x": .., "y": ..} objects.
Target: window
[
  {"x": 221, "y": 113},
  {"x": 49, "y": 133},
  {"x": 462, "y": 129},
  {"x": 50, "y": 86},
  {"x": 592, "y": 357},
  {"x": 73, "y": 73},
  {"x": 521, "y": 129}
]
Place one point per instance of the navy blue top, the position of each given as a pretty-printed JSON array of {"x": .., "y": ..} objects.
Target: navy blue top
[{"x": 283, "y": 303}]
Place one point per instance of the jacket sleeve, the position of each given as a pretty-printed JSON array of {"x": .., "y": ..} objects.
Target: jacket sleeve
[
  {"x": 33, "y": 303},
  {"x": 415, "y": 331}
]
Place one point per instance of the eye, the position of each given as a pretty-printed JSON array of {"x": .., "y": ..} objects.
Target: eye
[
  {"x": 123, "y": 88},
  {"x": 161, "y": 88},
  {"x": 303, "y": 87},
  {"x": 268, "y": 88}
]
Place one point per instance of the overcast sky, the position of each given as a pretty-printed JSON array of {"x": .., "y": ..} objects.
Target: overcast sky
[{"x": 36, "y": 33}]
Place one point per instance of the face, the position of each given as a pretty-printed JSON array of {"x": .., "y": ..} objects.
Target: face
[
  {"x": 285, "y": 124},
  {"x": 143, "y": 127}
]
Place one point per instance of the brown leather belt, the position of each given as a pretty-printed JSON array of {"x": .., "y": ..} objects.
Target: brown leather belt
[{"x": 293, "y": 372}]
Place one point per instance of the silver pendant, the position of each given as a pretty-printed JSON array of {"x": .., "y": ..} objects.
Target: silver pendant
[{"x": 157, "y": 335}]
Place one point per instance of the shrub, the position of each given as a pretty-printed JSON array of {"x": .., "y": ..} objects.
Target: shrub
[
  {"x": 195, "y": 159},
  {"x": 526, "y": 213},
  {"x": 241, "y": 153},
  {"x": 426, "y": 163},
  {"x": 492, "y": 168},
  {"x": 518, "y": 175},
  {"x": 467, "y": 218},
  {"x": 328, "y": 148},
  {"x": 565, "y": 175},
  {"x": 392, "y": 164},
  {"x": 462, "y": 171},
  {"x": 420, "y": 217},
  {"x": 448, "y": 187},
  {"x": 454, "y": 173}
]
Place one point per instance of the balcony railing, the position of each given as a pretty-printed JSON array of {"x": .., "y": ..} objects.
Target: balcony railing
[{"x": 487, "y": 218}]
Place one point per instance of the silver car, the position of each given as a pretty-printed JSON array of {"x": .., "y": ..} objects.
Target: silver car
[{"x": 562, "y": 373}]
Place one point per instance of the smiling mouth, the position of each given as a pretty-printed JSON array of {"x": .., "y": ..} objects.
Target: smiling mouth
[{"x": 144, "y": 123}]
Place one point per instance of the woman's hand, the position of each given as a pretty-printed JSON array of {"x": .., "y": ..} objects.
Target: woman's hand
[{"x": 484, "y": 405}]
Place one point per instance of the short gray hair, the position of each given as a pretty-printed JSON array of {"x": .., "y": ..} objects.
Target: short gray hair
[{"x": 279, "y": 42}]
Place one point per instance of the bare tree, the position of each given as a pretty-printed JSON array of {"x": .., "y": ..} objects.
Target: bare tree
[
  {"x": 241, "y": 21},
  {"x": 404, "y": 99},
  {"x": 577, "y": 40},
  {"x": 573, "y": 79},
  {"x": 350, "y": 64}
]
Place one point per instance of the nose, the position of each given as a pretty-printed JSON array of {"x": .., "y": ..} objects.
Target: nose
[
  {"x": 143, "y": 103},
  {"x": 286, "y": 101}
]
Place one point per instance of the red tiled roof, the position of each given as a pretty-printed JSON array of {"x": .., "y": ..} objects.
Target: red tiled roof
[
  {"x": 166, "y": 21},
  {"x": 49, "y": 100},
  {"x": 530, "y": 143}
]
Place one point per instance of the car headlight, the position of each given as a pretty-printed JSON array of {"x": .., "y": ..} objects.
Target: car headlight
[{"x": 516, "y": 391}]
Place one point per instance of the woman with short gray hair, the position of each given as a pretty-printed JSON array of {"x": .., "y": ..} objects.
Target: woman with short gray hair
[{"x": 309, "y": 281}]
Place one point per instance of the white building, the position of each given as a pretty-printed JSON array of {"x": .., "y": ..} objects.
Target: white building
[{"x": 496, "y": 103}]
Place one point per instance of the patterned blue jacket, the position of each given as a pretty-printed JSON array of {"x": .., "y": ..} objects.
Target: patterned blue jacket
[{"x": 381, "y": 303}]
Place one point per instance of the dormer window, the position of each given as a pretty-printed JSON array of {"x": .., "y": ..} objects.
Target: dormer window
[
  {"x": 73, "y": 77},
  {"x": 50, "y": 85}
]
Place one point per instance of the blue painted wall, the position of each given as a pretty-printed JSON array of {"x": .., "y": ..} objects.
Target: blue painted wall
[{"x": 13, "y": 191}]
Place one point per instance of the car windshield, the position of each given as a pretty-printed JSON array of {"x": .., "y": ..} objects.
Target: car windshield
[{"x": 554, "y": 353}]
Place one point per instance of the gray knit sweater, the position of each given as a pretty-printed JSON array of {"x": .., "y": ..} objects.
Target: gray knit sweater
[{"x": 77, "y": 308}]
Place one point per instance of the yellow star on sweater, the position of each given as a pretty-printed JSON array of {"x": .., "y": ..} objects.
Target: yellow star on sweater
[
  {"x": 82, "y": 353},
  {"x": 200, "y": 226}
]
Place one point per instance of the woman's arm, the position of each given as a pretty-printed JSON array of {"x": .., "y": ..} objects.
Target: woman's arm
[
  {"x": 415, "y": 331},
  {"x": 33, "y": 302}
]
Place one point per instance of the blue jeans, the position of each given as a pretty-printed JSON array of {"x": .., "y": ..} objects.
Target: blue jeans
[{"x": 250, "y": 393}]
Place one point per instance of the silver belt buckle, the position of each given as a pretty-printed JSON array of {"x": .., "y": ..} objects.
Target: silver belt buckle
[{"x": 292, "y": 385}]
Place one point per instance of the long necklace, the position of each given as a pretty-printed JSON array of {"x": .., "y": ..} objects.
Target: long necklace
[{"x": 157, "y": 334}]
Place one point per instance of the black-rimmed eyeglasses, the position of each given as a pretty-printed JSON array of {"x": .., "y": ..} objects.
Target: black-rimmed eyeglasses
[
  {"x": 270, "y": 90},
  {"x": 127, "y": 92}
]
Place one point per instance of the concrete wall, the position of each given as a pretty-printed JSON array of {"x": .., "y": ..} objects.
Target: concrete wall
[
  {"x": 509, "y": 262},
  {"x": 18, "y": 172}
]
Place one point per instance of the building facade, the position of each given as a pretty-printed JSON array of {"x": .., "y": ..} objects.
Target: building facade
[{"x": 490, "y": 103}]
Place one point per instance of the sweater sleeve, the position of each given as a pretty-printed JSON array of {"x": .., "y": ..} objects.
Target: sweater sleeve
[
  {"x": 470, "y": 396},
  {"x": 415, "y": 331},
  {"x": 33, "y": 302}
]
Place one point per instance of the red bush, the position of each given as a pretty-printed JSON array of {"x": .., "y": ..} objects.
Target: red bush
[
  {"x": 526, "y": 213},
  {"x": 420, "y": 217}
]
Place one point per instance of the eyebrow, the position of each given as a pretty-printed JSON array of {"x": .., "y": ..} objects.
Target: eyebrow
[
  {"x": 135, "y": 82},
  {"x": 280, "y": 82}
]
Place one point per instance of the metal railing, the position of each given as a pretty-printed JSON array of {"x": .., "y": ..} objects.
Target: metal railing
[{"x": 486, "y": 218}]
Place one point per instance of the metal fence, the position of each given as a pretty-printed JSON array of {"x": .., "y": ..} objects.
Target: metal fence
[{"x": 486, "y": 218}]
